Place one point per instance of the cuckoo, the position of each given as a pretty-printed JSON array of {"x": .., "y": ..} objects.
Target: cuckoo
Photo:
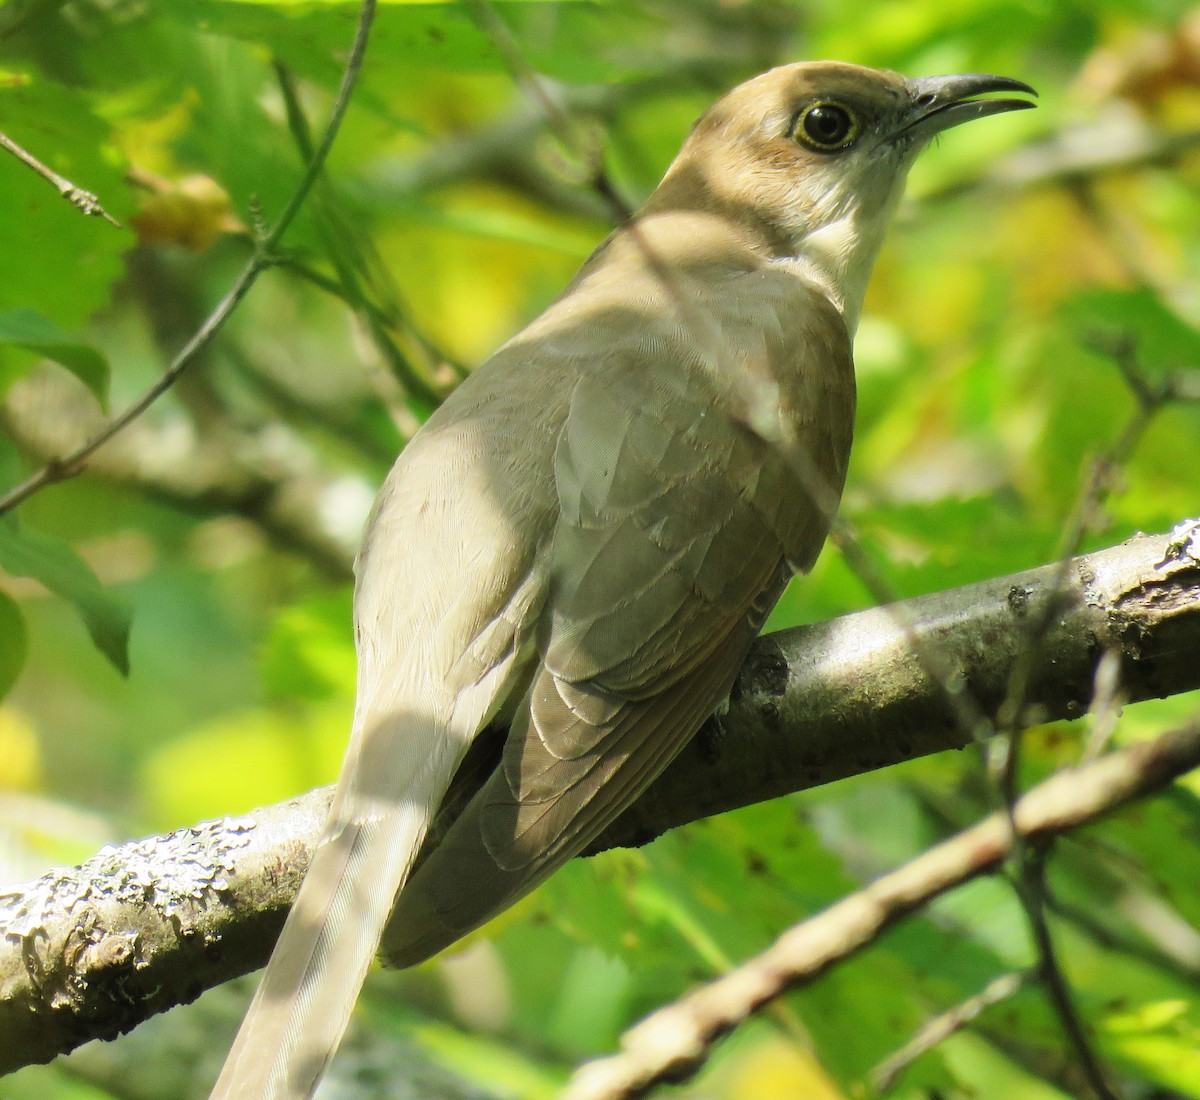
[{"x": 578, "y": 547}]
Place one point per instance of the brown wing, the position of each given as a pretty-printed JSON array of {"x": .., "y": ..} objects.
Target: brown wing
[
  {"x": 664, "y": 569},
  {"x": 676, "y": 523}
]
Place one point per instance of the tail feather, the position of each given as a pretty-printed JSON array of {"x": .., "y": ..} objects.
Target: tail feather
[{"x": 304, "y": 1001}]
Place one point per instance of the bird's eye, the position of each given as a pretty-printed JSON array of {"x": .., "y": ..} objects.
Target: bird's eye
[{"x": 827, "y": 127}]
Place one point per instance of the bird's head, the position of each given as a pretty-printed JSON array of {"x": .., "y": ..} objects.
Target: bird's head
[{"x": 812, "y": 157}]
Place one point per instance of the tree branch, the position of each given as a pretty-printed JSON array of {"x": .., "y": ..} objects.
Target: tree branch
[
  {"x": 819, "y": 703},
  {"x": 266, "y": 474},
  {"x": 675, "y": 1041},
  {"x": 90, "y": 952}
]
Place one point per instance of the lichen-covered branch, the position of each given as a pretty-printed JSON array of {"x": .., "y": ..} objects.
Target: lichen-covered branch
[{"x": 91, "y": 951}]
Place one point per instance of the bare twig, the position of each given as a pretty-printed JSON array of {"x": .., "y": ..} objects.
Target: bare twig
[
  {"x": 16, "y": 14},
  {"x": 264, "y": 474},
  {"x": 1175, "y": 965},
  {"x": 1106, "y": 704},
  {"x": 1005, "y": 751},
  {"x": 82, "y": 200},
  {"x": 1115, "y": 142},
  {"x": 676, "y": 1040},
  {"x": 347, "y": 255},
  {"x": 945, "y": 1024},
  {"x": 1030, "y": 885},
  {"x": 1183, "y": 385},
  {"x": 560, "y": 123},
  {"x": 262, "y": 258},
  {"x": 61, "y": 469},
  {"x": 1114, "y": 229}
]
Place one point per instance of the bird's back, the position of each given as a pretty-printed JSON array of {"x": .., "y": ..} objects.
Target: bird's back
[{"x": 673, "y": 514}]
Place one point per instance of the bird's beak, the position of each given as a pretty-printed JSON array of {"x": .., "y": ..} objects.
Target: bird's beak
[{"x": 939, "y": 102}]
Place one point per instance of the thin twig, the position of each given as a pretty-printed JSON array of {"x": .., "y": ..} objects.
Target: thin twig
[
  {"x": 1114, "y": 144},
  {"x": 340, "y": 104},
  {"x": 60, "y": 469},
  {"x": 1094, "y": 488},
  {"x": 15, "y": 15},
  {"x": 560, "y": 123},
  {"x": 1105, "y": 708},
  {"x": 351, "y": 266},
  {"x": 262, "y": 258},
  {"x": 1182, "y": 385},
  {"x": 1174, "y": 965},
  {"x": 297, "y": 122},
  {"x": 945, "y": 1024},
  {"x": 1129, "y": 254},
  {"x": 76, "y": 196},
  {"x": 1005, "y": 754},
  {"x": 1031, "y": 888},
  {"x": 676, "y": 1040},
  {"x": 346, "y": 429}
]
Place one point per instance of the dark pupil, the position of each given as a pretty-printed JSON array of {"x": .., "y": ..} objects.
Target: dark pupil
[{"x": 827, "y": 125}]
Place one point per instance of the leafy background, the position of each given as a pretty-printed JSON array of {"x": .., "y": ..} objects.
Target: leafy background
[{"x": 223, "y": 523}]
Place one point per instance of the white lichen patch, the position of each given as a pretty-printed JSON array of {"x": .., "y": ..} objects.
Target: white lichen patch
[
  {"x": 167, "y": 873},
  {"x": 1183, "y": 542}
]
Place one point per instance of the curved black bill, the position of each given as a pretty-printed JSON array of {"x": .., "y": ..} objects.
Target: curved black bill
[{"x": 939, "y": 102}]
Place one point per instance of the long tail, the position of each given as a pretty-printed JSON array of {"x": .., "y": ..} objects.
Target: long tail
[{"x": 305, "y": 998}]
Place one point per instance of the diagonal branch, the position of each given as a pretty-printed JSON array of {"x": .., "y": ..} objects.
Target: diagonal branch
[
  {"x": 92, "y": 951},
  {"x": 675, "y": 1041}
]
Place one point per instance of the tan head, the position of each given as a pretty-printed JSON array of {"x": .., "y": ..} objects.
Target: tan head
[{"x": 812, "y": 158}]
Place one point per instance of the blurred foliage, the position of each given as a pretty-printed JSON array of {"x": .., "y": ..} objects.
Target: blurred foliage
[{"x": 450, "y": 214}]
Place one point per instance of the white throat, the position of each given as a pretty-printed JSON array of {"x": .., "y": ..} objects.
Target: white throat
[
  {"x": 838, "y": 257},
  {"x": 837, "y": 243}
]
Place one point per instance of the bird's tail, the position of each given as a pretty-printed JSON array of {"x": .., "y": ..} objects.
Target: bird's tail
[{"x": 308, "y": 991}]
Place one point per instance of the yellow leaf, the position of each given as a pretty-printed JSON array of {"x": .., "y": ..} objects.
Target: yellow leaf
[
  {"x": 778, "y": 1070},
  {"x": 22, "y": 770}
]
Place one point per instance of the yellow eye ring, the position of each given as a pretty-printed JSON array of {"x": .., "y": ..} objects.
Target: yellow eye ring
[{"x": 827, "y": 126}]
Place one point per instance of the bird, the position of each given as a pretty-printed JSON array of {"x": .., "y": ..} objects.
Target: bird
[{"x": 568, "y": 562}]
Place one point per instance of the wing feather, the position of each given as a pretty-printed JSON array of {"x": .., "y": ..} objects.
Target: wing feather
[{"x": 681, "y": 513}]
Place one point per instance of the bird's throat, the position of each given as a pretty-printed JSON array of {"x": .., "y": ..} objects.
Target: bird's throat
[{"x": 838, "y": 257}]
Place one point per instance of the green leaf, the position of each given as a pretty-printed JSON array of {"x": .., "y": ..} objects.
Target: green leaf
[
  {"x": 52, "y": 562},
  {"x": 309, "y": 652},
  {"x": 574, "y": 41},
  {"x": 1161, "y": 339},
  {"x": 28, "y": 329},
  {"x": 499, "y": 1066},
  {"x": 13, "y": 643}
]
